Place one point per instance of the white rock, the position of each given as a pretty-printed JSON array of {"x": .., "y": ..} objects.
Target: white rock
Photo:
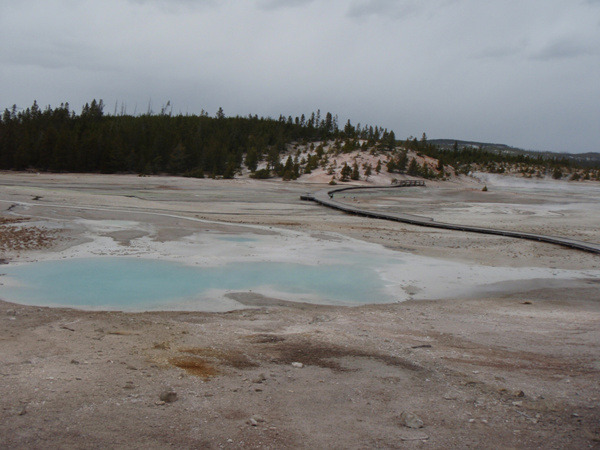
[
  {"x": 298, "y": 365},
  {"x": 168, "y": 396},
  {"x": 410, "y": 420}
]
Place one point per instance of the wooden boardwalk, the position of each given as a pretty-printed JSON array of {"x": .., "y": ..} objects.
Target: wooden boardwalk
[{"x": 325, "y": 198}]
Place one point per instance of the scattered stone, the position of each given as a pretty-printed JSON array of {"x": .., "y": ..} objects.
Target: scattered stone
[
  {"x": 74, "y": 361},
  {"x": 320, "y": 319},
  {"x": 519, "y": 403},
  {"x": 159, "y": 403},
  {"x": 259, "y": 379},
  {"x": 11, "y": 312},
  {"x": 162, "y": 345},
  {"x": 527, "y": 416},
  {"x": 253, "y": 422},
  {"x": 168, "y": 396},
  {"x": 526, "y": 303},
  {"x": 422, "y": 346},
  {"x": 471, "y": 420},
  {"x": 519, "y": 394},
  {"x": 417, "y": 437},
  {"x": 297, "y": 365},
  {"x": 258, "y": 419},
  {"x": 410, "y": 420}
]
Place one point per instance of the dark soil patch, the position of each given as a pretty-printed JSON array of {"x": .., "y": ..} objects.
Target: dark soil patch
[
  {"x": 321, "y": 354},
  {"x": 230, "y": 358},
  {"x": 194, "y": 366},
  {"x": 265, "y": 338}
]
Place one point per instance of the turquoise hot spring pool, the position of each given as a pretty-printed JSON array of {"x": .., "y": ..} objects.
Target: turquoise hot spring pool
[{"x": 126, "y": 283}]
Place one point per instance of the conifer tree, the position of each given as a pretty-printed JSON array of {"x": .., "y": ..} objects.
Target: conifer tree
[
  {"x": 368, "y": 170},
  {"x": 355, "y": 175},
  {"x": 251, "y": 160},
  {"x": 401, "y": 162},
  {"x": 345, "y": 173},
  {"x": 413, "y": 168}
]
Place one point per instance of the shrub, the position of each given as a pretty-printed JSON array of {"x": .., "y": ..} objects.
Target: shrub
[
  {"x": 557, "y": 174},
  {"x": 261, "y": 174}
]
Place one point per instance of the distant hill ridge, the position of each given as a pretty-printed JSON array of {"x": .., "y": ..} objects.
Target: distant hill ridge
[{"x": 582, "y": 158}]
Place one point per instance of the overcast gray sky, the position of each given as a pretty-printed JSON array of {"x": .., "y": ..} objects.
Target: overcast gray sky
[{"x": 520, "y": 72}]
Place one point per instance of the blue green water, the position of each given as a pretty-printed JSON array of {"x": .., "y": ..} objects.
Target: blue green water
[
  {"x": 237, "y": 239},
  {"x": 142, "y": 284}
]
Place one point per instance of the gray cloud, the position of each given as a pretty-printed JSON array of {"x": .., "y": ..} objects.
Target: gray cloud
[
  {"x": 565, "y": 48},
  {"x": 175, "y": 6},
  {"x": 393, "y": 8},
  {"x": 396, "y": 8},
  {"x": 504, "y": 50},
  {"x": 57, "y": 53},
  {"x": 499, "y": 52},
  {"x": 463, "y": 69},
  {"x": 184, "y": 2},
  {"x": 278, "y": 4}
]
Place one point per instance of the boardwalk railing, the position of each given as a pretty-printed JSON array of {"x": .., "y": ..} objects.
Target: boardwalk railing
[{"x": 325, "y": 198}]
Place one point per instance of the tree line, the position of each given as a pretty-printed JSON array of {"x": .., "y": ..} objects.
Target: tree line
[{"x": 60, "y": 140}]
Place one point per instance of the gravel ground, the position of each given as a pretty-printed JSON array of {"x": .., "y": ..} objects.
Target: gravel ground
[{"x": 519, "y": 368}]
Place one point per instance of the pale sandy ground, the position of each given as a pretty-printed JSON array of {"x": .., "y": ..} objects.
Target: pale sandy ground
[{"x": 517, "y": 368}]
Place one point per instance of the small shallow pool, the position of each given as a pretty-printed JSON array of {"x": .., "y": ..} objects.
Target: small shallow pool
[{"x": 126, "y": 283}]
